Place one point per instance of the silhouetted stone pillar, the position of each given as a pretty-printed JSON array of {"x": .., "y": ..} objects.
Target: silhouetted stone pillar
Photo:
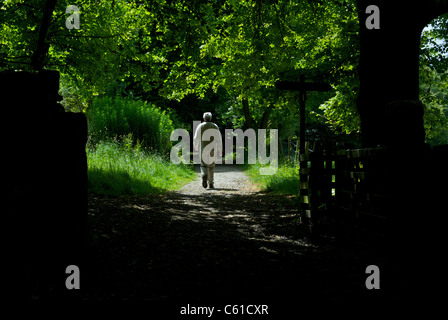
[
  {"x": 389, "y": 70},
  {"x": 44, "y": 203},
  {"x": 392, "y": 116}
]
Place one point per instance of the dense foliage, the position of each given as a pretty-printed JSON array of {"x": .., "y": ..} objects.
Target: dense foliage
[
  {"x": 111, "y": 118},
  {"x": 228, "y": 53},
  {"x": 434, "y": 80}
]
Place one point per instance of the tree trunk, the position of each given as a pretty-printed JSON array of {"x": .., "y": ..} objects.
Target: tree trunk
[
  {"x": 302, "y": 117},
  {"x": 280, "y": 147},
  {"x": 250, "y": 123},
  {"x": 38, "y": 57},
  {"x": 265, "y": 117},
  {"x": 289, "y": 148}
]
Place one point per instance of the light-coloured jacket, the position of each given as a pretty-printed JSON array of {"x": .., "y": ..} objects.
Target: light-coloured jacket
[{"x": 209, "y": 157}]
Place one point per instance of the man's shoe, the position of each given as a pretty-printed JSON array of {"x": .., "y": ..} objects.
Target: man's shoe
[
  {"x": 211, "y": 186},
  {"x": 204, "y": 181}
]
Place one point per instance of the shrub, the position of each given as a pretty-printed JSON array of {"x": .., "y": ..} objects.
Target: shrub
[{"x": 112, "y": 118}]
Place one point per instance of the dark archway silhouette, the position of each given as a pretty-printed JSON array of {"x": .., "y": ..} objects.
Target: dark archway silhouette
[{"x": 388, "y": 71}]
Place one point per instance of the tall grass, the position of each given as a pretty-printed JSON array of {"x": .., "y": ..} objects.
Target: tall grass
[
  {"x": 284, "y": 181},
  {"x": 110, "y": 118},
  {"x": 129, "y": 144},
  {"x": 118, "y": 168}
]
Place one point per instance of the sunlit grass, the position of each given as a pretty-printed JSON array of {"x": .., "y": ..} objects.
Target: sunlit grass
[
  {"x": 118, "y": 169},
  {"x": 284, "y": 181}
]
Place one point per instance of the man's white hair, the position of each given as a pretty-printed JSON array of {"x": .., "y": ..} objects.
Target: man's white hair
[{"x": 207, "y": 116}]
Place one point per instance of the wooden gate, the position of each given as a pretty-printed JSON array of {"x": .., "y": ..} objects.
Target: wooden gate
[
  {"x": 317, "y": 184},
  {"x": 371, "y": 193}
]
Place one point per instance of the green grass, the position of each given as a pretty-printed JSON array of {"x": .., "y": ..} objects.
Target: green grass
[
  {"x": 112, "y": 117},
  {"x": 284, "y": 181},
  {"x": 120, "y": 169}
]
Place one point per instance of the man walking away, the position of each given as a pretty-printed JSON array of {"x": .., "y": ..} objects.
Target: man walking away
[{"x": 211, "y": 142}]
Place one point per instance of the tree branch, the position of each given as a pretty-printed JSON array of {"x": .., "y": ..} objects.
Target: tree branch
[
  {"x": 94, "y": 37},
  {"x": 249, "y": 120},
  {"x": 265, "y": 117},
  {"x": 66, "y": 46}
]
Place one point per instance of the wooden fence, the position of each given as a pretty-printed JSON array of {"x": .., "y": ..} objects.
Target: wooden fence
[
  {"x": 317, "y": 184},
  {"x": 374, "y": 193},
  {"x": 363, "y": 196},
  {"x": 351, "y": 190}
]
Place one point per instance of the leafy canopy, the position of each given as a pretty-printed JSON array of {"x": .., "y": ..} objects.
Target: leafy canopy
[{"x": 173, "y": 49}]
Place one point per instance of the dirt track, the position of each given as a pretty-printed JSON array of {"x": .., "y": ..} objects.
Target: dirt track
[{"x": 233, "y": 243}]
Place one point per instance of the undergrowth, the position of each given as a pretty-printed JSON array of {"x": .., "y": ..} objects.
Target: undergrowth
[
  {"x": 121, "y": 168},
  {"x": 284, "y": 181}
]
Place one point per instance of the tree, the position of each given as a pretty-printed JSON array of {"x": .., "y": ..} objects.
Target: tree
[
  {"x": 172, "y": 49},
  {"x": 105, "y": 49},
  {"x": 246, "y": 46},
  {"x": 434, "y": 79}
]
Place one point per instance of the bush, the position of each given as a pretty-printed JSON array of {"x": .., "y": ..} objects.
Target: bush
[{"x": 112, "y": 118}]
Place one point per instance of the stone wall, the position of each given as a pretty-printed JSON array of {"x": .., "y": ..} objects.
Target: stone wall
[{"x": 45, "y": 183}]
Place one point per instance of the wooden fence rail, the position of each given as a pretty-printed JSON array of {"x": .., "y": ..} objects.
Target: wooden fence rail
[
  {"x": 317, "y": 184},
  {"x": 363, "y": 198},
  {"x": 363, "y": 192}
]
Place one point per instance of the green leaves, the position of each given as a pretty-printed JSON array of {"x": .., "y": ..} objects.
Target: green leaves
[
  {"x": 434, "y": 80},
  {"x": 118, "y": 117},
  {"x": 172, "y": 49}
]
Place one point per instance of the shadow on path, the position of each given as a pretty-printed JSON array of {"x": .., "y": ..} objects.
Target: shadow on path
[{"x": 233, "y": 243}]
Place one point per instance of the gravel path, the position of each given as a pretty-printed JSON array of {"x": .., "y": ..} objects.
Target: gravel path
[{"x": 229, "y": 180}]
